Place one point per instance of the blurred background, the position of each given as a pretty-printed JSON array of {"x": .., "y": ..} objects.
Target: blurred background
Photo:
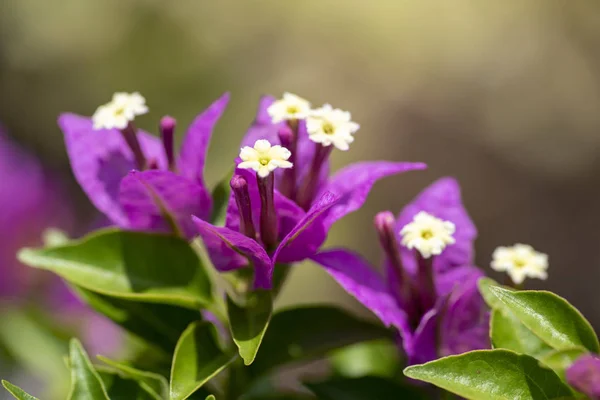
[{"x": 504, "y": 96}]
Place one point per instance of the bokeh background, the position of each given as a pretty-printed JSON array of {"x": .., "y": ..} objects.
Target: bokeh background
[{"x": 502, "y": 95}]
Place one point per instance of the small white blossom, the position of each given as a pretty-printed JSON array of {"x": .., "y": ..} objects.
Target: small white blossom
[
  {"x": 121, "y": 110},
  {"x": 264, "y": 158},
  {"x": 428, "y": 234},
  {"x": 520, "y": 261},
  {"x": 290, "y": 107},
  {"x": 329, "y": 126}
]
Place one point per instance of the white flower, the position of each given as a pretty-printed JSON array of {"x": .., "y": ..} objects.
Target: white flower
[
  {"x": 520, "y": 261},
  {"x": 264, "y": 158},
  {"x": 428, "y": 234},
  {"x": 121, "y": 110},
  {"x": 290, "y": 107},
  {"x": 330, "y": 126}
]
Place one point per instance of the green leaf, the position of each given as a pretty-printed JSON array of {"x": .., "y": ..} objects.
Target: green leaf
[
  {"x": 129, "y": 265},
  {"x": 492, "y": 375},
  {"x": 210, "y": 397},
  {"x": 17, "y": 392},
  {"x": 492, "y": 301},
  {"x": 85, "y": 381},
  {"x": 365, "y": 388},
  {"x": 198, "y": 358},
  {"x": 121, "y": 387},
  {"x": 220, "y": 196},
  {"x": 560, "y": 360},
  {"x": 249, "y": 323},
  {"x": 158, "y": 324},
  {"x": 550, "y": 317},
  {"x": 507, "y": 332},
  {"x": 373, "y": 358},
  {"x": 310, "y": 332},
  {"x": 156, "y": 382}
]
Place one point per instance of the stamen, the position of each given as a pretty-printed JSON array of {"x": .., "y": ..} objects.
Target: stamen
[
  {"x": 384, "y": 224},
  {"x": 167, "y": 132},
  {"x": 130, "y": 136},
  {"x": 288, "y": 139},
  {"x": 307, "y": 192},
  {"x": 239, "y": 185},
  {"x": 425, "y": 283},
  {"x": 268, "y": 217}
]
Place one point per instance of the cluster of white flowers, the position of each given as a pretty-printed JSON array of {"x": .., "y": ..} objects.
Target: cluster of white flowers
[
  {"x": 520, "y": 261},
  {"x": 430, "y": 236},
  {"x": 325, "y": 125},
  {"x": 264, "y": 158},
  {"x": 427, "y": 234},
  {"x": 120, "y": 111}
]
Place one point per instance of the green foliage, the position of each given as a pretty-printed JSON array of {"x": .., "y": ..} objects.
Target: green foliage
[
  {"x": 17, "y": 392},
  {"x": 507, "y": 332},
  {"x": 155, "y": 383},
  {"x": 372, "y": 358},
  {"x": 158, "y": 324},
  {"x": 220, "y": 196},
  {"x": 365, "y": 388},
  {"x": 120, "y": 387},
  {"x": 550, "y": 317},
  {"x": 309, "y": 332},
  {"x": 492, "y": 375},
  {"x": 249, "y": 322},
  {"x": 86, "y": 384},
  {"x": 560, "y": 360},
  {"x": 198, "y": 358},
  {"x": 129, "y": 265}
]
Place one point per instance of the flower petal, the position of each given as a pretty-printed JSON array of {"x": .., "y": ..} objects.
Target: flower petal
[
  {"x": 308, "y": 235},
  {"x": 354, "y": 183},
  {"x": 442, "y": 199},
  {"x": 361, "y": 281},
  {"x": 192, "y": 157},
  {"x": 423, "y": 347},
  {"x": 101, "y": 158},
  {"x": 584, "y": 375},
  {"x": 161, "y": 201},
  {"x": 466, "y": 322},
  {"x": 223, "y": 243}
]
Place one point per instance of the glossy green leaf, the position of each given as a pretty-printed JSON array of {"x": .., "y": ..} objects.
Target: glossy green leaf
[
  {"x": 507, "y": 332},
  {"x": 211, "y": 397},
  {"x": 158, "y": 324},
  {"x": 492, "y": 301},
  {"x": 560, "y": 360},
  {"x": 17, "y": 392},
  {"x": 155, "y": 382},
  {"x": 372, "y": 358},
  {"x": 85, "y": 381},
  {"x": 309, "y": 332},
  {"x": 365, "y": 388},
  {"x": 220, "y": 196},
  {"x": 492, "y": 375},
  {"x": 550, "y": 317},
  {"x": 129, "y": 265},
  {"x": 249, "y": 323},
  {"x": 120, "y": 387},
  {"x": 198, "y": 358}
]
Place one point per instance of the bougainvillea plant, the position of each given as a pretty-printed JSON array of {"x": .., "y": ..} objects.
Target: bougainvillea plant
[{"x": 192, "y": 273}]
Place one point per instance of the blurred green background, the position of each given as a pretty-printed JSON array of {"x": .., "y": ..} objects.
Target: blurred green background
[{"x": 503, "y": 95}]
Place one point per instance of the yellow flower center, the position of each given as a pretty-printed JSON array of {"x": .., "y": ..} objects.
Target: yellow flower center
[
  {"x": 264, "y": 160},
  {"x": 292, "y": 110},
  {"x": 328, "y": 128},
  {"x": 427, "y": 234}
]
